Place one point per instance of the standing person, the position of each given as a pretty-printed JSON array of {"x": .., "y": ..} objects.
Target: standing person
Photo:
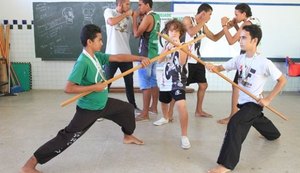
[
  {"x": 118, "y": 24},
  {"x": 174, "y": 81},
  {"x": 253, "y": 70},
  {"x": 243, "y": 15},
  {"x": 87, "y": 75},
  {"x": 196, "y": 71},
  {"x": 147, "y": 31}
]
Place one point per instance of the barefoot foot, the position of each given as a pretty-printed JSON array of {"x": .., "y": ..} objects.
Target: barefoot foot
[
  {"x": 224, "y": 120},
  {"x": 219, "y": 169},
  {"x": 141, "y": 118},
  {"x": 29, "y": 170},
  {"x": 30, "y": 165},
  {"x": 203, "y": 114},
  {"x": 130, "y": 139}
]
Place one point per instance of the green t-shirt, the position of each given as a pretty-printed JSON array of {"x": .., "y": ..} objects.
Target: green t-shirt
[{"x": 84, "y": 73}]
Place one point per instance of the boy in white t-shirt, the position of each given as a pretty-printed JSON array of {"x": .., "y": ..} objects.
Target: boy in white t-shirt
[
  {"x": 173, "y": 81},
  {"x": 243, "y": 14},
  {"x": 253, "y": 71},
  {"x": 118, "y": 24}
]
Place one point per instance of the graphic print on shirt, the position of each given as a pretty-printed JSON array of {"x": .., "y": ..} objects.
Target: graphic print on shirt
[
  {"x": 245, "y": 72},
  {"x": 174, "y": 74},
  {"x": 122, "y": 26}
]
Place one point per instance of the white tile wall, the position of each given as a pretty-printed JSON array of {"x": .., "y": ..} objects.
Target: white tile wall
[{"x": 45, "y": 74}]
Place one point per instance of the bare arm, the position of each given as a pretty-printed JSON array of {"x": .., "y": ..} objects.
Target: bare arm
[
  {"x": 183, "y": 56},
  {"x": 192, "y": 30},
  {"x": 129, "y": 58},
  {"x": 73, "y": 88},
  {"x": 281, "y": 81},
  {"x": 125, "y": 58},
  {"x": 212, "y": 36},
  {"x": 115, "y": 20},
  {"x": 214, "y": 68},
  {"x": 233, "y": 23},
  {"x": 231, "y": 39},
  {"x": 146, "y": 23}
]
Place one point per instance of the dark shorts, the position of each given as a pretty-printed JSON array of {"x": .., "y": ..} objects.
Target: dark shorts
[
  {"x": 166, "y": 96},
  {"x": 196, "y": 73}
]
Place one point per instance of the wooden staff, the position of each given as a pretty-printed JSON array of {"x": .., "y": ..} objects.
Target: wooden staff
[
  {"x": 131, "y": 70},
  {"x": 2, "y": 44},
  {"x": 7, "y": 44},
  {"x": 223, "y": 76}
]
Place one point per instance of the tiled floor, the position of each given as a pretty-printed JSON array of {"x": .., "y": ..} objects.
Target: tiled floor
[{"x": 32, "y": 118}]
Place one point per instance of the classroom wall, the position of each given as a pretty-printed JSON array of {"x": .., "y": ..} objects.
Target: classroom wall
[
  {"x": 53, "y": 74},
  {"x": 273, "y": 24}
]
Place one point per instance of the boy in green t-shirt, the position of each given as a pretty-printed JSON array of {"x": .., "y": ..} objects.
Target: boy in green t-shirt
[{"x": 87, "y": 75}]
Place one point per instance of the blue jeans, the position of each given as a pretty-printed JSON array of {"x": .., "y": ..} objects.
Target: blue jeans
[{"x": 147, "y": 77}]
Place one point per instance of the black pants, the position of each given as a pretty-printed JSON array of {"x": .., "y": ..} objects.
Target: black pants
[
  {"x": 110, "y": 71},
  {"x": 250, "y": 114},
  {"x": 118, "y": 111}
]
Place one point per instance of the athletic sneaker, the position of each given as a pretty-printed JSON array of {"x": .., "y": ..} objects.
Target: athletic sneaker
[
  {"x": 185, "y": 143},
  {"x": 161, "y": 121},
  {"x": 100, "y": 119}
]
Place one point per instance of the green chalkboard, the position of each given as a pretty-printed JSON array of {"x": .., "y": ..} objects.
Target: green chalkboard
[{"x": 57, "y": 26}]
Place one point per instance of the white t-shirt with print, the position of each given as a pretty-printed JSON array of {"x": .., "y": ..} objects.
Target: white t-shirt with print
[
  {"x": 174, "y": 75},
  {"x": 252, "y": 74},
  {"x": 117, "y": 35}
]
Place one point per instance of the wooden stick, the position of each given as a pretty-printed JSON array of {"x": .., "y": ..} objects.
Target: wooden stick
[
  {"x": 223, "y": 76},
  {"x": 131, "y": 70},
  {"x": 2, "y": 48},
  {"x": 7, "y": 41}
]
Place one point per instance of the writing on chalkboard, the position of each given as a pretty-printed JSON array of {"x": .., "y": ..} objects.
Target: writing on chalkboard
[{"x": 57, "y": 26}]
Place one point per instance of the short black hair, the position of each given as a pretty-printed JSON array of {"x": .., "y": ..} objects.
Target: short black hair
[
  {"x": 204, "y": 7},
  {"x": 254, "y": 31},
  {"x": 150, "y": 2},
  {"x": 89, "y": 31},
  {"x": 243, "y": 7}
]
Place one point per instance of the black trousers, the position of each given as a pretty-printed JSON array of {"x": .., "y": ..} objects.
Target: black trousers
[
  {"x": 110, "y": 71},
  {"x": 115, "y": 110},
  {"x": 250, "y": 114}
]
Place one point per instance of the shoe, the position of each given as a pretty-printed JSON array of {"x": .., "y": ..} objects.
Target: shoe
[
  {"x": 100, "y": 119},
  {"x": 185, "y": 143},
  {"x": 161, "y": 121}
]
